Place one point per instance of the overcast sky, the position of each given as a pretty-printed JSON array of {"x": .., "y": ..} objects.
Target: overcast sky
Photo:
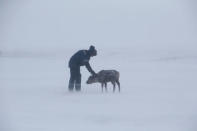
[{"x": 53, "y": 24}]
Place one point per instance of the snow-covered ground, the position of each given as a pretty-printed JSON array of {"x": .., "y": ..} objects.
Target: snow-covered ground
[
  {"x": 158, "y": 93},
  {"x": 152, "y": 43}
]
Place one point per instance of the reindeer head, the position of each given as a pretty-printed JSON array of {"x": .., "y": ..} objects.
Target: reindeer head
[{"x": 92, "y": 79}]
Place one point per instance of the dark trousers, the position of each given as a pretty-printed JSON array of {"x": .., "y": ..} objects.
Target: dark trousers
[{"x": 75, "y": 79}]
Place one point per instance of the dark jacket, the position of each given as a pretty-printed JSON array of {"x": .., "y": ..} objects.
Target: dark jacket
[{"x": 81, "y": 58}]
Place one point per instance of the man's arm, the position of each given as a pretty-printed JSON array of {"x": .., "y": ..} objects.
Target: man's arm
[{"x": 89, "y": 68}]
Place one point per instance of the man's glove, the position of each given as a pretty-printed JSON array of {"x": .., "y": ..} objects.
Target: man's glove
[{"x": 94, "y": 74}]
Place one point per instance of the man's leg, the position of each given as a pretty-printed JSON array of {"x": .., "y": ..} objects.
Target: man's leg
[
  {"x": 72, "y": 80},
  {"x": 78, "y": 83},
  {"x": 78, "y": 80}
]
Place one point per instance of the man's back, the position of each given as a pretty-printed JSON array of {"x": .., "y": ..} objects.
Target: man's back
[{"x": 80, "y": 58}]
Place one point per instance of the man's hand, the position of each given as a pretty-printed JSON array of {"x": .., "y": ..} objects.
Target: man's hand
[{"x": 94, "y": 74}]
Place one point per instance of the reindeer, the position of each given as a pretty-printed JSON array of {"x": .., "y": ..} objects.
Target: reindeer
[{"x": 105, "y": 76}]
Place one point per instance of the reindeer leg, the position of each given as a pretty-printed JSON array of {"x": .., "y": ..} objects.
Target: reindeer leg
[
  {"x": 102, "y": 84},
  {"x": 114, "y": 85},
  {"x": 106, "y": 87},
  {"x": 118, "y": 84}
]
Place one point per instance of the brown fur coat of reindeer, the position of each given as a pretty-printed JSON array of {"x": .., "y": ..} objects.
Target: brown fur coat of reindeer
[{"x": 105, "y": 76}]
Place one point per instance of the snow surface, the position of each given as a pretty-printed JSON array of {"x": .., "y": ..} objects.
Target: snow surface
[{"x": 158, "y": 93}]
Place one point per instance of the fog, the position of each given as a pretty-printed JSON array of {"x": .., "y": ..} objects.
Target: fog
[
  {"x": 152, "y": 43},
  {"x": 47, "y": 25}
]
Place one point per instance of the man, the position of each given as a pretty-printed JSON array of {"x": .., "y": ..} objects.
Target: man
[{"x": 81, "y": 58}]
